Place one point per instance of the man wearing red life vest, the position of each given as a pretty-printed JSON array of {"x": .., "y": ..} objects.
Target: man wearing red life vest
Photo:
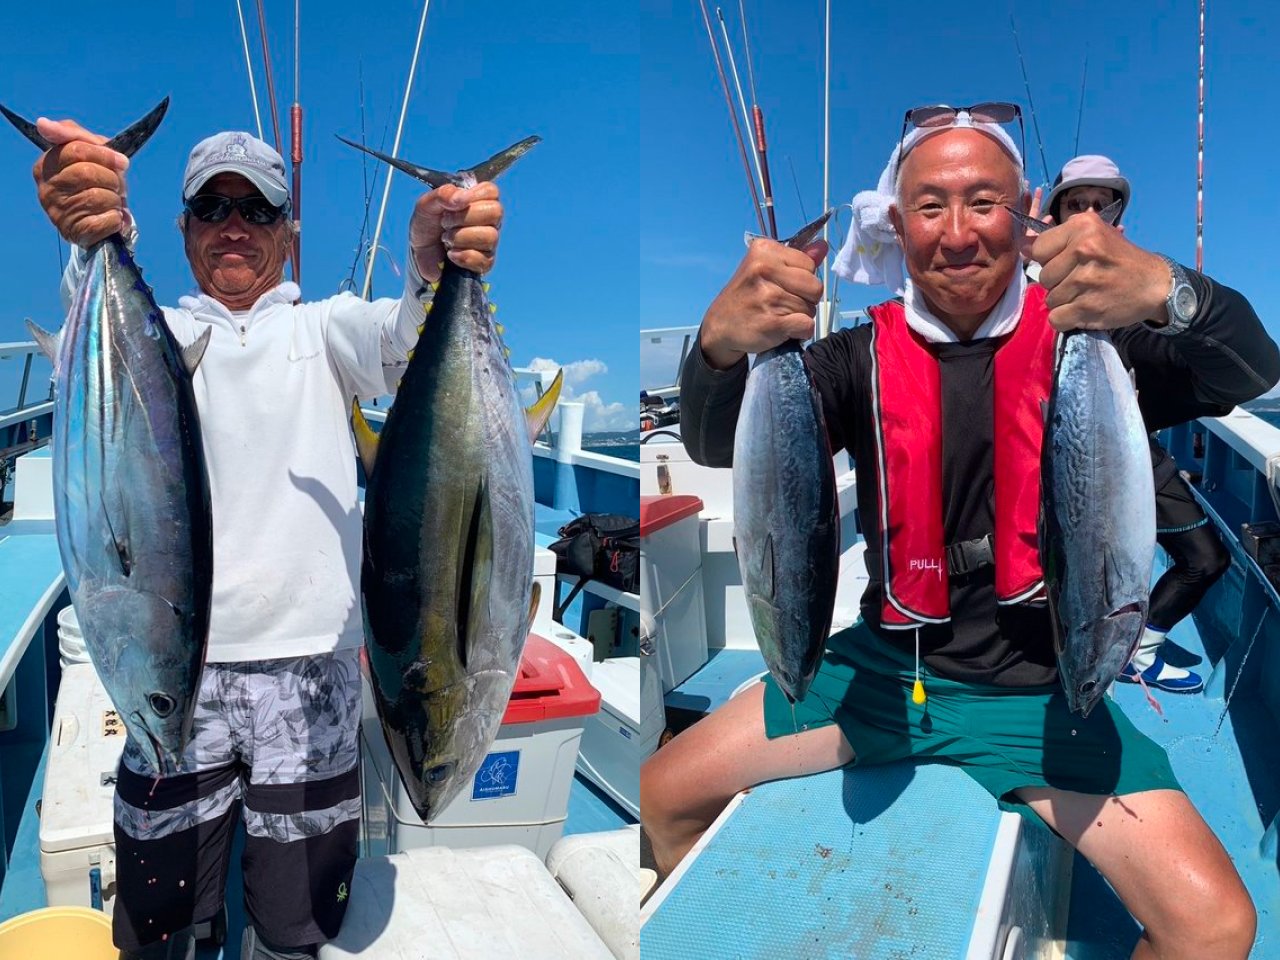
[{"x": 938, "y": 401}]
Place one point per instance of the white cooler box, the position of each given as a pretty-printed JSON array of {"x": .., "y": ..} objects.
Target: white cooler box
[
  {"x": 490, "y": 903},
  {"x": 616, "y": 740},
  {"x": 671, "y": 596},
  {"x": 520, "y": 794},
  {"x": 76, "y": 836}
]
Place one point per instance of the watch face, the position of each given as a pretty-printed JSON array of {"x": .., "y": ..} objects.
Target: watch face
[{"x": 1184, "y": 302}]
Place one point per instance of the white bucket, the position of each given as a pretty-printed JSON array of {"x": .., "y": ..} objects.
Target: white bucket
[{"x": 70, "y": 640}]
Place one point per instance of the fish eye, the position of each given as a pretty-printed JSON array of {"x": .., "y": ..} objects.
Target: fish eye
[
  {"x": 162, "y": 704},
  {"x": 439, "y": 773},
  {"x": 1088, "y": 686}
]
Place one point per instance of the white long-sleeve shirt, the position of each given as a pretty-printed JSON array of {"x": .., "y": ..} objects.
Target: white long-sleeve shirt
[{"x": 274, "y": 394}]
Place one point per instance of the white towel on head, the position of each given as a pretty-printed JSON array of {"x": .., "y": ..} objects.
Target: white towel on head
[{"x": 871, "y": 253}]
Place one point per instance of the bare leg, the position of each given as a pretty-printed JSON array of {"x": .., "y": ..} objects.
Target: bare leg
[
  {"x": 685, "y": 785},
  {"x": 1164, "y": 863}
]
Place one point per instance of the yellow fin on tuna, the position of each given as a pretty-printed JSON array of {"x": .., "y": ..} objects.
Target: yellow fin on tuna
[
  {"x": 537, "y": 415},
  {"x": 366, "y": 439}
]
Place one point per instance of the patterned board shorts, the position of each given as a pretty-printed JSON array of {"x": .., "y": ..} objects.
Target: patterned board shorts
[{"x": 280, "y": 739}]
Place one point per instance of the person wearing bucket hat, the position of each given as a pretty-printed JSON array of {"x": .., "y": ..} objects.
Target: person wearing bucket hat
[
  {"x": 275, "y": 738},
  {"x": 1198, "y": 557},
  {"x": 953, "y": 656},
  {"x": 1089, "y": 182}
]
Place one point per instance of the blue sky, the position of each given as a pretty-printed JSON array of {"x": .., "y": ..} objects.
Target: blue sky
[
  {"x": 489, "y": 74},
  {"x": 1139, "y": 108}
]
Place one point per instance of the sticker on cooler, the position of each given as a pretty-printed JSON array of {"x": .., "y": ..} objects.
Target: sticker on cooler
[{"x": 496, "y": 776}]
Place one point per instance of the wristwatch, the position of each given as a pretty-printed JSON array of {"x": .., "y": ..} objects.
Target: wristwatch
[{"x": 1182, "y": 302}]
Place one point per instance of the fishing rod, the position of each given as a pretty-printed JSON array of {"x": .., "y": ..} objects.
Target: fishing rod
[
  {"x": 295, "y": 137},
  {"x": 733, "y": 69},
  {"x": 829, "y": 302},
  {"x": 248, "y": 65},
  {"x": 1200, "y": 157},
  {"x": 271, "y": 86},
  {"x": 737, "y": 130},
  {"x": 761, "y": 149},
  {"x": 1030, "y": 103},
  {"x": 1080, "y": 116},
  {"x": 395, "y": 151}
]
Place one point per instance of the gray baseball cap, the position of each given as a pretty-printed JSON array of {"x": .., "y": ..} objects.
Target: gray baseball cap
[
  {"x": 236, "y": 152},
  {"x": 1090, "y": 170}
]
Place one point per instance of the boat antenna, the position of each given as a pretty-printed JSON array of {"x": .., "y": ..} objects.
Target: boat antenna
[
  {"x": 1030, "y": 103},
  {"x": 248, "y": 65},
  {"x": 762, "y": 150},
  {"x": 295, "y": 137},
  {"x": 1200, "y": 157},
  {"x": 1075, "y": 151},
  {"x": 395, "y": 151},
  {"x": 737, "y": 129}
]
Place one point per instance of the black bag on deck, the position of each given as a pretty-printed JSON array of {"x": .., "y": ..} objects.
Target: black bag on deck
[{"x": 599, "y": 546}]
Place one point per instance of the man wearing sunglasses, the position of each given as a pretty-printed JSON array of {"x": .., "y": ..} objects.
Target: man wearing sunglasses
[
  {"x": 276, "y": 725},
  {"x": 953, "y": 657},
  {"x": 1199, "y": 559}
]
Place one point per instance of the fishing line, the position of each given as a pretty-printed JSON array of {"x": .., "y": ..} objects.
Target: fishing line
[{"x": 799, "y": 199}]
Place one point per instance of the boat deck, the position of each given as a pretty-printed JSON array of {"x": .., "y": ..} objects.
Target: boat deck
[
  {"x": 32, "y": 587},
  {"x": 890, "y": 862}
]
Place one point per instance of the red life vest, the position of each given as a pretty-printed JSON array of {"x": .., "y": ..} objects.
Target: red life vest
[{"x": 907, "y": 408}]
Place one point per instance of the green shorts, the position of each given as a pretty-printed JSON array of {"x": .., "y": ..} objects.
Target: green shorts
[{"x": 1004, "y": 738}]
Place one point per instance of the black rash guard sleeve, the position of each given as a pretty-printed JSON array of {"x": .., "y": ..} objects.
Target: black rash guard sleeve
[{"x": 1222, "y": 359}]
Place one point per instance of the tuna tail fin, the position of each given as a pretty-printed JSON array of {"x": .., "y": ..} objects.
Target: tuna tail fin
[
  {"x": 366, "y": 439},
  {"x": 537, "y": 415},
  {"x": 809, "y": 232},
  {"x": 127, "y": 142},
  {"x": 26, "y": 128},
  {"x": 489, "y": 170},
  {"x": 130, "y": 140},
  {"x": 49, "y": 343}
]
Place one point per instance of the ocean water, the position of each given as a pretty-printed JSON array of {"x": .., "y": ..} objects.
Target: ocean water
[
  {"x": 1271, "y": 416},
  {"x": 624, "y": 451}
]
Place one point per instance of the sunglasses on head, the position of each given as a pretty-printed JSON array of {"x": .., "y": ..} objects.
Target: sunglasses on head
[
  {"x": 213, "y": 208},
  {"x": 941, "y": 115}
]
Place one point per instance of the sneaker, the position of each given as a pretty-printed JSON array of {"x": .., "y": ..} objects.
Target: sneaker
[{"x": 1162, "y": 676}]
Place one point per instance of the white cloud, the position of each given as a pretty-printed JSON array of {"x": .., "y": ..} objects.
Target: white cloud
[{"x": 598, "y": 414}]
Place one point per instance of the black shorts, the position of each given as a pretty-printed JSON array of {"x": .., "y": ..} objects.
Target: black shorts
[{"x": 278, "y": 742}]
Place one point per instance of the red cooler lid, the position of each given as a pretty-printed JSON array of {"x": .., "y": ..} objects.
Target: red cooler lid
[
  {"x": 551, "y": 685},
  {"x": 657, "y": 512}
]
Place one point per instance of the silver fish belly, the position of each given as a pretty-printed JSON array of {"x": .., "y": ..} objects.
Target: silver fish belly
[{"x": 1098, "y": 517}]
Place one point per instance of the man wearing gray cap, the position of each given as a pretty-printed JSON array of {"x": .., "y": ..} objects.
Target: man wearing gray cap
[
  {"x": 1198, "y": 557},
  {"x": 278, "y": 711}
]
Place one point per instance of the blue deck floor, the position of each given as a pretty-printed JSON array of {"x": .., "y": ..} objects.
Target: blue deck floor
[
  {"x": 1210, "y": 765},
  {"x": 758, "y": 890}
]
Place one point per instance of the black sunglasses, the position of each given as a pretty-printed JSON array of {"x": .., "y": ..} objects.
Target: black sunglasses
[
  {"x": 940, "y": 115},
  {"x": 213, "y": 208}
]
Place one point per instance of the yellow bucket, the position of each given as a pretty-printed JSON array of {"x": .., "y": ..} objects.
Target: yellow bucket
[{"x": 58, "y": 933}]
